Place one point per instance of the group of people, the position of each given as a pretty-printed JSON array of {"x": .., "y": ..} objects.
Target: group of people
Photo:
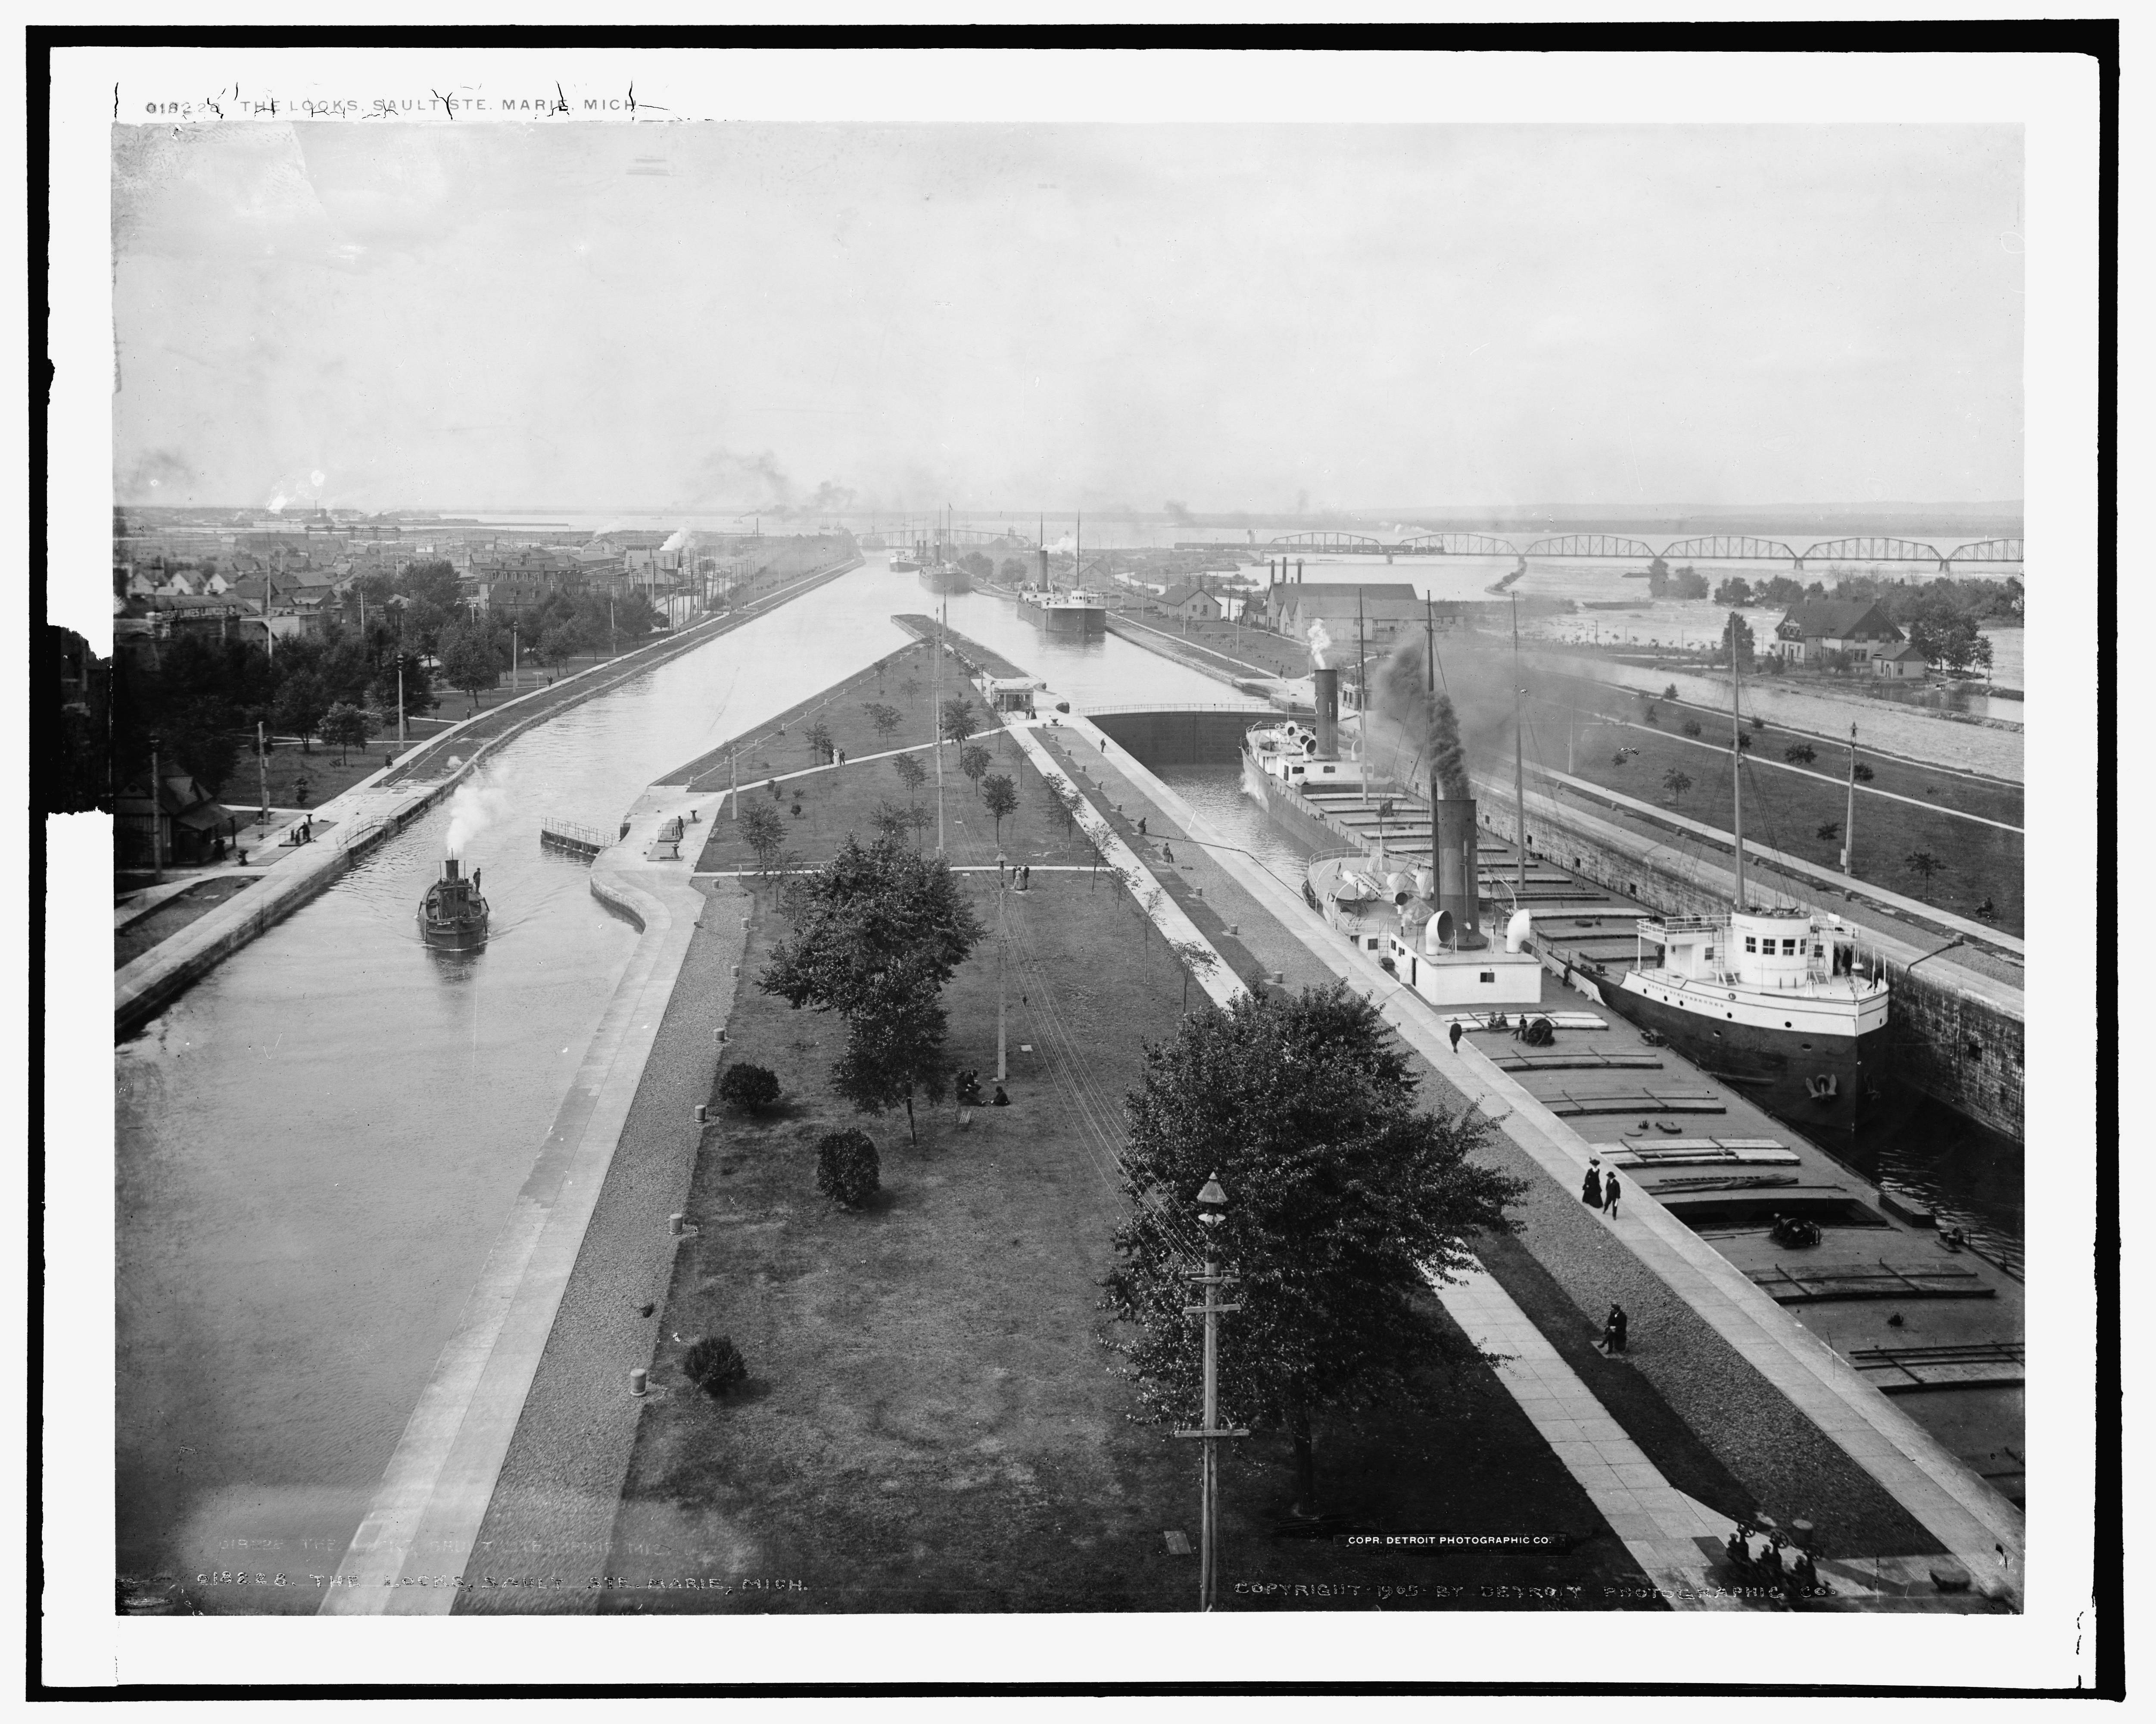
[
  {"x": 969, "y": 1090},
  {"x": 1755, "y": 1553},
  {"x": 1599, "y": 1190}
]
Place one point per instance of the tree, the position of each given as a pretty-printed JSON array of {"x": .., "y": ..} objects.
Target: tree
[
  {"x": 1196, "y": 958},
  {"x": 469, "y": 660},
  {"x": 877, "y": 932},
  {"x": 1012, "y": 570},
  {"x": 1800, "y": 754},
  {"x": 1862, "y": 773},
  {"x": 1690, "y": 727},
  {"x": 1923, "y": 864},
  {"x": 888, "y": 820},
  {"x": 1829, "y": 831},
  {"x": 1342, "y": 1200},
  {"x": 1690, "y": 583},
  {"x": 1651, "y": 713},
  {"x": 714, "y": 1364},
  {"x": 560, "y": 644},
  {"x": 976, "y": 565},
  {"x": 1742, "y": 630},
  {"x": 954, "y": 721},
  {"x": 911, "y": 772},
  {"x": 1734, "y": 591},
  {"x": 344, "y": 728},
  {"x": 973, "y": 762},
  {"x": 301, "y": 701},
  {"x": 885, "y": 719},
  {"x": 1677, "y": 782},
  {"x": 760, "y": 829},
  {"x": 820, "y": 742},
  {"x": 1001, "y": 796}
]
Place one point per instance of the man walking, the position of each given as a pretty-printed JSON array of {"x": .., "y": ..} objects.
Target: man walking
[
  {"x": 1609, "y": 1194},
  {"x": 1455, "y": 1036}
]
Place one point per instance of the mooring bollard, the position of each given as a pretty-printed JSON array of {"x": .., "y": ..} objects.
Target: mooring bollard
[
  {"x": 675, "y": 1222},
  {"x": 703, "y": 1113},
  {"x": 638, "y": 1380},
  {"x": 736, "y": 969},
  {"x": 718, "y": 1036}
]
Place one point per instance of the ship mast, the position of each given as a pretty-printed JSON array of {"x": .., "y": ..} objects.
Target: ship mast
[
  {"x": 1736, "y": 762},
  {"x": 1519, "y": 770}
]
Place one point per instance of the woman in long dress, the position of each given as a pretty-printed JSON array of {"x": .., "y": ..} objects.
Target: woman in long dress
[{"x": 1590, "y": 1191}]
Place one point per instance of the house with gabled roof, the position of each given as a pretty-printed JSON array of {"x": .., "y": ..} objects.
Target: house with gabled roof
[{"x": 1816, "y": 627}]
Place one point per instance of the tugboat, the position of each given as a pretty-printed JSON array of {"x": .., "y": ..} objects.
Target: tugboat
[
  {"x": 1774, "y": 1001},
  {"x": 453, "y": 915}
]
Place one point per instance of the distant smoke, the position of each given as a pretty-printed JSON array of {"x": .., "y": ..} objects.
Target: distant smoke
[
  {"x": 1178, "y": 512},
  {"x": 675, "y": 540},
  {"x": 1320, "y": 643},
  {"x": 472, "y": 808},
  {"x": 756, "y": 484},
  {"x": 158, "y": 474}
]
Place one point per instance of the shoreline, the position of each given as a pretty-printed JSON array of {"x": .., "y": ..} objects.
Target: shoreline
[{"x": 371, "y": 811}]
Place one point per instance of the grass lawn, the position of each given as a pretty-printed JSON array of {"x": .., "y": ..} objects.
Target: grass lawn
[
  {"x": 175, "y": 913},
  {"x": 1785, "y": 809},
  {"x": 932, "y": 1422},
  {"x": 840, "y": 800}
]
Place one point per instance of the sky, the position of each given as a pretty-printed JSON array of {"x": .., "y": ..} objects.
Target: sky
[{"x": 1263, "y": 318}]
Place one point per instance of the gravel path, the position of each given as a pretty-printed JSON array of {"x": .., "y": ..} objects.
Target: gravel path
[{"x": 550, "y": 1522}]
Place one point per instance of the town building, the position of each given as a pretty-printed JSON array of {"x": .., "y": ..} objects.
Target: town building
[
  {"x": 189, "y": 826},
  {"x": 1906, "y": 659},
  {"x": 1816, "y": 627},
  {"x": 1194, "y": 604}
]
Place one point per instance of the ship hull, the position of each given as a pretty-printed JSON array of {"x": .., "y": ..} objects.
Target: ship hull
[
  {"x": 1287, "y": 808},
  {"x": 947, "y": 580},
  {"x": 1066, "y": 622},
  {"x": 455, "y": 936},
  {"x": 1836, "y": 1084}
]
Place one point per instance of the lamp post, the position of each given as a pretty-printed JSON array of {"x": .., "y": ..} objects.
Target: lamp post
[
  {"x": 1212, "y": 1204},
  {"x": 156, "y": 814}
]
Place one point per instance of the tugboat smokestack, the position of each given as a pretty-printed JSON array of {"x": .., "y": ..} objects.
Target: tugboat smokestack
[
  {"x": 449, "y": 868},
  {"x": 1327, "y": 680},
  {"x": 1455, "y": 849}
]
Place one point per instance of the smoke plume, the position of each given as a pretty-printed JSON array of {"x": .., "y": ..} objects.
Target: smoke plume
[
  {"x": 1320, "y": 643},
  {"x": 1425, "y": 719},
  {"x": 473, "y": 807}
]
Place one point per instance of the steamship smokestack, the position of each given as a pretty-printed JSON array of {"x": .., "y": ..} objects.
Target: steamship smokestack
[
  {"x": 449, "y": 868},
  {"x": 1327, "y": 680},
  {"x": 1456, "y": 848}
]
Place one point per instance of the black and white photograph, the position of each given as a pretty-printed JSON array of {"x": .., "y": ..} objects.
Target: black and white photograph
[{"x": 1044, "y": 835}]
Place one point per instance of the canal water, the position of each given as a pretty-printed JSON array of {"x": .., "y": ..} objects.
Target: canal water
[{"x": 319, "y": 1141}]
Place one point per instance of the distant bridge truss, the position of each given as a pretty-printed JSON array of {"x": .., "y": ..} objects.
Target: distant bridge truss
[
  {"x": 1731, "y": 547},
  {"x": 1874, "y": 550},
  {"x": 1591, "y": 545},
  {"x": 1323, "y": 542},
  {"x": 1986, "y": 550},
  {"x": 1460, "y": 545}
]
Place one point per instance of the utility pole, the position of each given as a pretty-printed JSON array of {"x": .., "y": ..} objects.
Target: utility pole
[
  {"x": 262, "y": 765},
  {"x": 1002, "y": 1068},
  {"x": 515, "y": 671},
  {"x": 1849, "y": 815},
  {"x": 944, "y": 622},
  {"x": 1429, "y": 641},
  {"x": 156, "y": 816},
  {"x": 1212, "y": 1202}
]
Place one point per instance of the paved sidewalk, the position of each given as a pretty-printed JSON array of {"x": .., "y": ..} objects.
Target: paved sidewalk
[{"x": 1671, "y": 1536}]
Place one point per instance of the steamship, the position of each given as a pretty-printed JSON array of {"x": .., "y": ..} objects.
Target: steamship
[
  {"x": 1423, "y": 923},
  {"x": 945, "y": 576},
  {"x": 1775, "y": 1001},
  {"x": 453, "y": 915},
  {"x": 1079, "y": 613}
]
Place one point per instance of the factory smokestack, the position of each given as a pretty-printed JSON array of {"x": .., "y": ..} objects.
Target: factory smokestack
[{"x": 1328, "y": 711}]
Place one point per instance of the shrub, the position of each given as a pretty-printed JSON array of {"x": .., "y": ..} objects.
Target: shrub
[
  {"x": 750, "y": 1088},
  {"x": 1863, "y": 774},
  {"x": 847, "y": 1171},
  {"x": 1800, "y": 754},
  {"x": 714, "y": 1364},
  {"x": 1692, "y": 727}
]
